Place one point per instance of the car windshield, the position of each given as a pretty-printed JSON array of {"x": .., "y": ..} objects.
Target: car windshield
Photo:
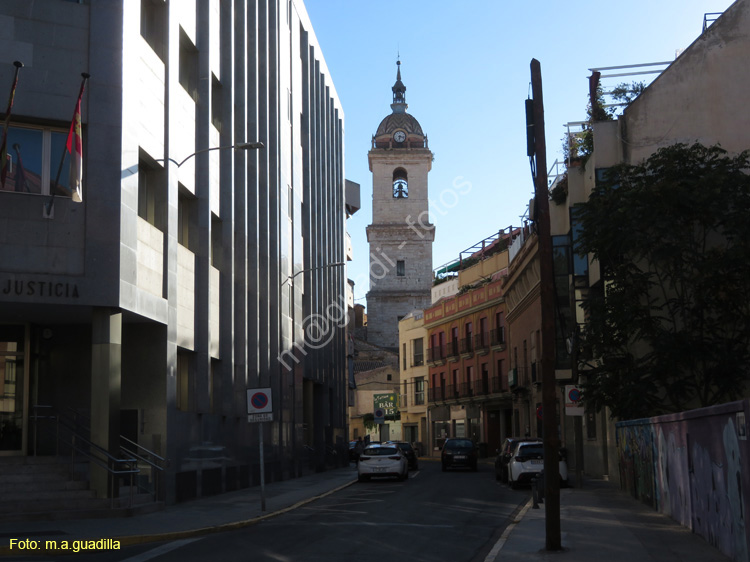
[
  {"x": 528, "y": 450},
  {"x": 459, "y": 444},
  {"x": 404, "y": 446},
  {"x": 380, "y": 451}
]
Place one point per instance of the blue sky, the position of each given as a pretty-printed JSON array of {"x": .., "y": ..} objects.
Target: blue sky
[{"x": 466, "y": 69}]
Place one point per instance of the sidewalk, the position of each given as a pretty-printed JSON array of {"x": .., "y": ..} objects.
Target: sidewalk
[
  {"x": 598, "y": 523},
  {"x": 231, "y": 510},
  {"x": 601, "y": 523}
]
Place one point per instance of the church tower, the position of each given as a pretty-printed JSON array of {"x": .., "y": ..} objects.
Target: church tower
[{"x": 401, "y": 234}]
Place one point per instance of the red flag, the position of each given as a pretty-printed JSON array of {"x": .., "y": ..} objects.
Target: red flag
[
  {"x": 75, "y": 147},
  {"x": 4, "y": 146}
]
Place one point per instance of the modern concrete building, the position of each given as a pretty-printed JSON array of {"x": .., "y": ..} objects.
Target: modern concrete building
[
  {"x": 401, "y": 234},
  {"x": 188, "y": 274}
]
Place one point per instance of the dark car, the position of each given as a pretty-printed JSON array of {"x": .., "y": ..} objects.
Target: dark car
[
  {"x": 411, "y": 454},
  {"x": 459, "y": 452},
  {"x": 505, "y": 453}
]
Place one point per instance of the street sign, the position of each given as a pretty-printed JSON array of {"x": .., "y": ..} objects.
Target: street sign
[
  {"x": 379, "y": 415},
  {"x": 573, "y": 400},
  {"x": 259, "y": 405},
  {"x": 388, "y": 403}
]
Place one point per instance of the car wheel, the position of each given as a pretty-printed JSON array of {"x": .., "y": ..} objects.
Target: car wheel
[{"x": 513, "y": 485}]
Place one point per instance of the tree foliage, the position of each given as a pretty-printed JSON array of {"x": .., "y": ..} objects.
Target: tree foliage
[{"x": 668, "y": 328}]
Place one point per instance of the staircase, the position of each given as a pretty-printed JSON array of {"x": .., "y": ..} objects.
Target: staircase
[{"x": 41, "y": 488}]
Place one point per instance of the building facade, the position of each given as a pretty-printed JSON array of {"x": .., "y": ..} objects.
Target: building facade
[
  {"x": 401, "y": 234},
  {"x": 186, "y": 275},
  {"x": 469, "y": 395},
  {"x": 414, "y": 379}
]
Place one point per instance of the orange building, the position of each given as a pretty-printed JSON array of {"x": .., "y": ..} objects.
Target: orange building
[{"x": 469, "y": 395}]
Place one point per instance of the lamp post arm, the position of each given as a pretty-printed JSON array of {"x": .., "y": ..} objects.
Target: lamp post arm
[
  {"x": 339, "y": 263},
  {"x": 238, "y": 146}
]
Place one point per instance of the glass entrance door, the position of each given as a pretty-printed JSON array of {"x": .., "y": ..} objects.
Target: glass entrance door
[{"x": 12, "y": 390}]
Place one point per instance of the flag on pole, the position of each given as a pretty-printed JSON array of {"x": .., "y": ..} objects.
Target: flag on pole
[
  {"x": 75, "y": 148},
  {"x": 4, "y": 146}
]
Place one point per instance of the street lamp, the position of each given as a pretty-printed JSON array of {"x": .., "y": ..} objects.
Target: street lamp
[
  {"x": 335, "y": 264},
  {"x": 238, "y": 146}
]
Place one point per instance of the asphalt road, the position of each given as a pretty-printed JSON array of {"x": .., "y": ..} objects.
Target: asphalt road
[{"x": 433, "y": 516}]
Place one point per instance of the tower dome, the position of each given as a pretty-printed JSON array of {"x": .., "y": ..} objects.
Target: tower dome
[{"x": 399, "y": 129}]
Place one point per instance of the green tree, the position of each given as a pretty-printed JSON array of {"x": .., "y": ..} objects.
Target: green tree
[{"x": 668, "y": 327}]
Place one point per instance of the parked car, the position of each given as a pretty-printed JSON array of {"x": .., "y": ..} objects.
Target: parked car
[
  {"x": 408, "y": 450},
  {"x": 505, "y": 453},
  {"x": 459, "y": 452},
  {"x": 527, "y": 463},
  {"x": 382, "y": 460}
]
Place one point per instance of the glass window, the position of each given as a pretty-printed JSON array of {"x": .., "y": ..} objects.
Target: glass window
[
  {"x": 34, "y": 155},
  {"x": 154, "y": 24},
  {"x": 188, "y": 66},
  {"x": 580, "y": 262},
  {"x": 400, "y": 268}
]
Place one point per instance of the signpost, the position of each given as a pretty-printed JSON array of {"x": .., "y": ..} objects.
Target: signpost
[
  {"x": 573, "y": 402},
  {"x": 260, "y": 409}
]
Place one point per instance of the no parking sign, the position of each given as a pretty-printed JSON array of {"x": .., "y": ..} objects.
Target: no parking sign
[
  {"x": 259, "y": 405},
  {"x": 573, "y": 401}
]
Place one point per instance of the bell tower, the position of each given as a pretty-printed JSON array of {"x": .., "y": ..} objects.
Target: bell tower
[{"x": 401, "y": 233}]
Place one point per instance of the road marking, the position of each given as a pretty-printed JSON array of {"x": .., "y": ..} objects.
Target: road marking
[
  {"x": 506, "y": 533},
  {"x": 159, "y": 550},
  {"x": 394, "y": 524},
  {"x": 401, "y": 246}
]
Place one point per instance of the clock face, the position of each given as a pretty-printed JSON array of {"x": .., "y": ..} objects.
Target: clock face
[{"x": 399, "y": 136}]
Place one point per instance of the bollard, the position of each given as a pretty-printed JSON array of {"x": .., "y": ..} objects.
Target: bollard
[
  {"x": 534, "y": 494},
  {"x": 540, "y": 487}
]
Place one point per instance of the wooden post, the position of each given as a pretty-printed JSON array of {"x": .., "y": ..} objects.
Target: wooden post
[{"x": 547, "y": 296}]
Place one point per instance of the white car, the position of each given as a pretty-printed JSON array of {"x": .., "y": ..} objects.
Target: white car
[
  {"x": 382, "y": 460},
  {"x": 527, "y": 462}
]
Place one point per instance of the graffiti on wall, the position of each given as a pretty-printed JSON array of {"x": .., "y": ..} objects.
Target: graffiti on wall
[{"x": 689, "y": 466}]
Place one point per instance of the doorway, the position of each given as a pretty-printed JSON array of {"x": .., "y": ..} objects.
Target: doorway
[{"x": 13, "y": 390}]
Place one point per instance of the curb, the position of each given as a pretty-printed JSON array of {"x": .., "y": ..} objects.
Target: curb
[
  {"x": 132, "y": 540},
  {"x": 492, "y": 555}
]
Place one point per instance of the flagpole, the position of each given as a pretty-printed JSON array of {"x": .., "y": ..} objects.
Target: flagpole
[
  {"x": 50, "y": 204},
  {"x": 3, "y": 149}
]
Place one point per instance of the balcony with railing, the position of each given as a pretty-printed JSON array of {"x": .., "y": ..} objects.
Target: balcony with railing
[
  {"x": 482, "y": 343},
  {"x": 436, "y": 394},
  {"x": 452, "y": 392},
  {"x": 452, "y": 350},
  {"x": 466, "y": 347},
  {"x": 418, "y": 398},
  {"x": 465, "y": 390},
  {"x": 497, "y": 339},
  {"x": 436, "y": 355}
]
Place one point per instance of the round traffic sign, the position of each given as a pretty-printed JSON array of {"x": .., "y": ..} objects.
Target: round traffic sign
[
  {"x": 574, "y": 395},
  {"x": 259, "y": 400},
  {"x": 539, "y": 413},
  {"x": 380, "y": 413}
]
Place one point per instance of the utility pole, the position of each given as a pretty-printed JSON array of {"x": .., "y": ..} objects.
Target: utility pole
[{"x": 547, "y": 296}]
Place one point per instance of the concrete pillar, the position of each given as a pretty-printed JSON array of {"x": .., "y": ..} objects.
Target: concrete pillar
[{"x": 106, "y": 368}]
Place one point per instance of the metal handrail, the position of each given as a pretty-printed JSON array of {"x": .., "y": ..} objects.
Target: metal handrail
[
  {"x": 145, "y": 459},
  {"x": 109, "y": 462}
]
